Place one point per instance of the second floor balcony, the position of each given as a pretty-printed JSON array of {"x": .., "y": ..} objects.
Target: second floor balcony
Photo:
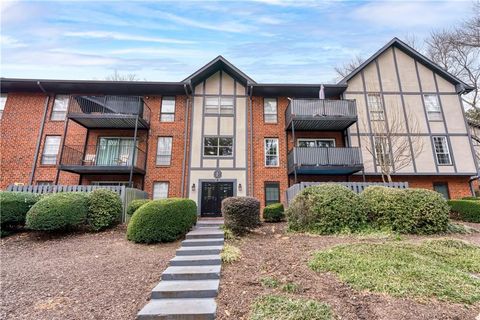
[
  {"x": 108, "y": 157},
  {"x": 318, "y": 160},
  {"x": 320, "y": 114},
  {"x": 119, "y": 112}
]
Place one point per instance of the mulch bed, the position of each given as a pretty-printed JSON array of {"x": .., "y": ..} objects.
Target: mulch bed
[
  {"x": 271, "y": 252},
  {"x": 78, "y": 276}
]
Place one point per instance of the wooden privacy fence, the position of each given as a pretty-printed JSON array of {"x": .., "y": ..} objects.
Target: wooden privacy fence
[
  {"x": 127, "y": 195},
  {"x": 354, "y": 186}
]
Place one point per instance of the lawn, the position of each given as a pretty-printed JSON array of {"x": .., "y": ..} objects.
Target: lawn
[
  {"x": 78, "y": 276},
  {"x": 274, "y": 266}
]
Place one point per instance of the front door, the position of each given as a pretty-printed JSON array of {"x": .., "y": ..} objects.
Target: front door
[{"x": 212, "y": 195}]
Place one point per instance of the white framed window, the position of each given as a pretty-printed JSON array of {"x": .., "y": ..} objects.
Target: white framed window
[
  {"x": 375, "y": 107},
  {"x": 50, "y": 149},
  {"x": 382, "y": 152},
  {"x": 167, "y": 113},
  {"x": 219, "y": 105},
  {"x": 160, "y": 190},
  {"x": 442, "y": 152},
  {"x": 316, "y": 143},
  {"x": 164, "y": 151},
  {"x": 218, "y": 146},
  {"x": 432, "y": 105},
  {"x": 3, "y": 102},
  {"x": 60, "y": 106},
  {"x": 271, "y": 152},
  {"x": 270, "y": 110}
]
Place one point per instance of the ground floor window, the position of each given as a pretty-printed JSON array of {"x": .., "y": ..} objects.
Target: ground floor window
[
  {"x": 44, "y": 183},
  {"x": 160, "y": 190},
  {"x": 110, "y": 183},
  {"x": 442, "y": 187},
  {"x": 272, "y": 192}
]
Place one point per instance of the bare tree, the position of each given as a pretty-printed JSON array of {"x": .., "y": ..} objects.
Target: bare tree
[
  {"x": 116, "y": 76},
  {"x": 468, "y": 34},
  {"x": 413, "y": 41},
  {"x": 345, "y": 69},
  {"x": 393, "y": 149}
]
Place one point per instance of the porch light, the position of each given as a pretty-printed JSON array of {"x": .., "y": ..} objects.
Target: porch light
[
  {"x": 239, "y": 187},
  {"x": 193, "y": 187}
]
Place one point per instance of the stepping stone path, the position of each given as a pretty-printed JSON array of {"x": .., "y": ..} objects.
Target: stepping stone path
[{"x": 190, "y": 284}]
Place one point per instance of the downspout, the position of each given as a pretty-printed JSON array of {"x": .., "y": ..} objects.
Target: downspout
[
  {"x": 184, "y": 163},
  {"x": 470, "y": 183},
  {"x": 40, "y": 134},
  {"x": 250, "y": 94}
]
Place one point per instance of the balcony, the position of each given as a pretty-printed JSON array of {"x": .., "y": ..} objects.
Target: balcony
[
  {"x": 105, "y": 158},
  {"x": 120, "y": 112},
  {"x": 326, "y": 161},
  {"x": 318, "y": 114}
]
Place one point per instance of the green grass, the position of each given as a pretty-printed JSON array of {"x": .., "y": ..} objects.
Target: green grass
[
  {"x": 273, "y": 307},
  {"x": 448, "y": 270},
  {"x": 290, "y": 287},
  {"x": 269, "y": 282},
  {"x": 230, "y": 254}
]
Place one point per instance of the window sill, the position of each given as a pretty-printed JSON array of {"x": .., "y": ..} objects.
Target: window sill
[
  {"x": 163, "y": 165},
  {"x": 47, "y": 166}
]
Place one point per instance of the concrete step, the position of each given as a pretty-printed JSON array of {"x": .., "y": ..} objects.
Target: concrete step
[
  {"x": 202, "y": 260},
  {"x": 186, "y": 289},
  {"x": 192, "y": 273},
  {"x": 205, "y": 233},
  {"x": 197, "y": 251},
  {"x": 185, "y": 309},
  {"x": 202, "y": 242},
  {"x": 209, "y": 223}
]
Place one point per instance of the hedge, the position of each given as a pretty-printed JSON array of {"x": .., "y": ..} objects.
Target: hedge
[
  {"x": 326, "y": 209},
  {"x": 14, "y": 207},
  {"x": 59, "y": 211},
  {"x": 241, "y": 214},
  {"x": 382, "y": 205},
  {"x": 162, "y": 220},
  {"x": 471, "y": 198},
  {"x": 465, "y": 210},
  {"x": 104, "y": 209},
  {"x": 425, "y": 212},
  {"x": 135, "y": 204},
  {"x": 274, "y": 212}
]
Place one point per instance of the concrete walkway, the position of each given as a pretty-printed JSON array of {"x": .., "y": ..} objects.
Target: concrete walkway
[{"x": 190, "y": 284}]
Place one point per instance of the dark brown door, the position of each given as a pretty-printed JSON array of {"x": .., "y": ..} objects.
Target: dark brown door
[{"x": 212, "y": 195}]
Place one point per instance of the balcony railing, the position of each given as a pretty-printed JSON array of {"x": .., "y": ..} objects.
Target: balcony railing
[
  {"x": 109, "y": 111},
  {"x": 325, "y": 160},
  {"x": 319, "y": 114},
  {"x": 102, "y": 159}
]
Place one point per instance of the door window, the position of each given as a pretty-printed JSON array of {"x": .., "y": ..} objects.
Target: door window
[
  {"x": 316, "y": 143},
  {"x": 115, "y": 152}
]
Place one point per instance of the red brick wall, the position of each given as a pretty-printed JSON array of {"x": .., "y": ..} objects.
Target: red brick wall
[{"x": 176, "y": 129}]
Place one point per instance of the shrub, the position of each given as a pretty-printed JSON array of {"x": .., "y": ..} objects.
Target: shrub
[
  {"x": 59, "y": 211},
  {"x": 465, "y": 210},
  {"x": 274, "y": 213},
  {"x": 104, "y": 209},
  {"x": 135, "y": 204},
  {"x": 241, "y": 214},
  {"x": 162, "y": 220},
  {"x": 230, "y": 254},
  {"x": 14, "y": 207},
  {"x": 326, "y": 209},
  {"x": 425, "y": 212},
  {"x": 382, "y": 205}
]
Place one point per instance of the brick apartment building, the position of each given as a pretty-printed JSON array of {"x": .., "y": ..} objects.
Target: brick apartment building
[{"x": 219, "y": 133}]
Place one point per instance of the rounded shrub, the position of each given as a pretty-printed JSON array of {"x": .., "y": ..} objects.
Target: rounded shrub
[
  {"x": 382, "y": 205},
  {"x": 14, "y": 207},
  {"x": 135, "y": 204},
  {"x": 104, "y": 209},
  {"x": 326, "y": 209},
  {"x": 465, "y": 210},
  {"x": 241, "y": 214},
  {"x": 425, "y": 212},
  {"x": 274, "y": 212},
  {"x": 162, "y": 220},
  {"x": 59, "y": 211}
]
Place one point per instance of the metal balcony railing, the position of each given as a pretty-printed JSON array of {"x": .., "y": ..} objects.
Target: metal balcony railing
[{"x": 320, "y": 159}]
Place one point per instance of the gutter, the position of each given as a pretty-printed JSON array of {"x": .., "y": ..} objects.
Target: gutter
[
  {"x": 40, "y": 134},
  {"x": 182, "y": 188},
  {"x": 250, "y": 94}
]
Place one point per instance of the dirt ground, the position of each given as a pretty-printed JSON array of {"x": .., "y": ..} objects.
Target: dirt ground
[
  {"x": 79, "y": 276},
  {"x": 271, "y": 252}
]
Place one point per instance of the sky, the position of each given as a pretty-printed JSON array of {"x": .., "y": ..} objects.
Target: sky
[{"x": 272, "y": 41}]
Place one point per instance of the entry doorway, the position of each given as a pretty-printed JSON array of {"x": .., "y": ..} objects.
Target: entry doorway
[{"x": 212, "y": 194}]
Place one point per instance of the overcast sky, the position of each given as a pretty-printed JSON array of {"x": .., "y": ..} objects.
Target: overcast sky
[{"x": 271, "y": 41}]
